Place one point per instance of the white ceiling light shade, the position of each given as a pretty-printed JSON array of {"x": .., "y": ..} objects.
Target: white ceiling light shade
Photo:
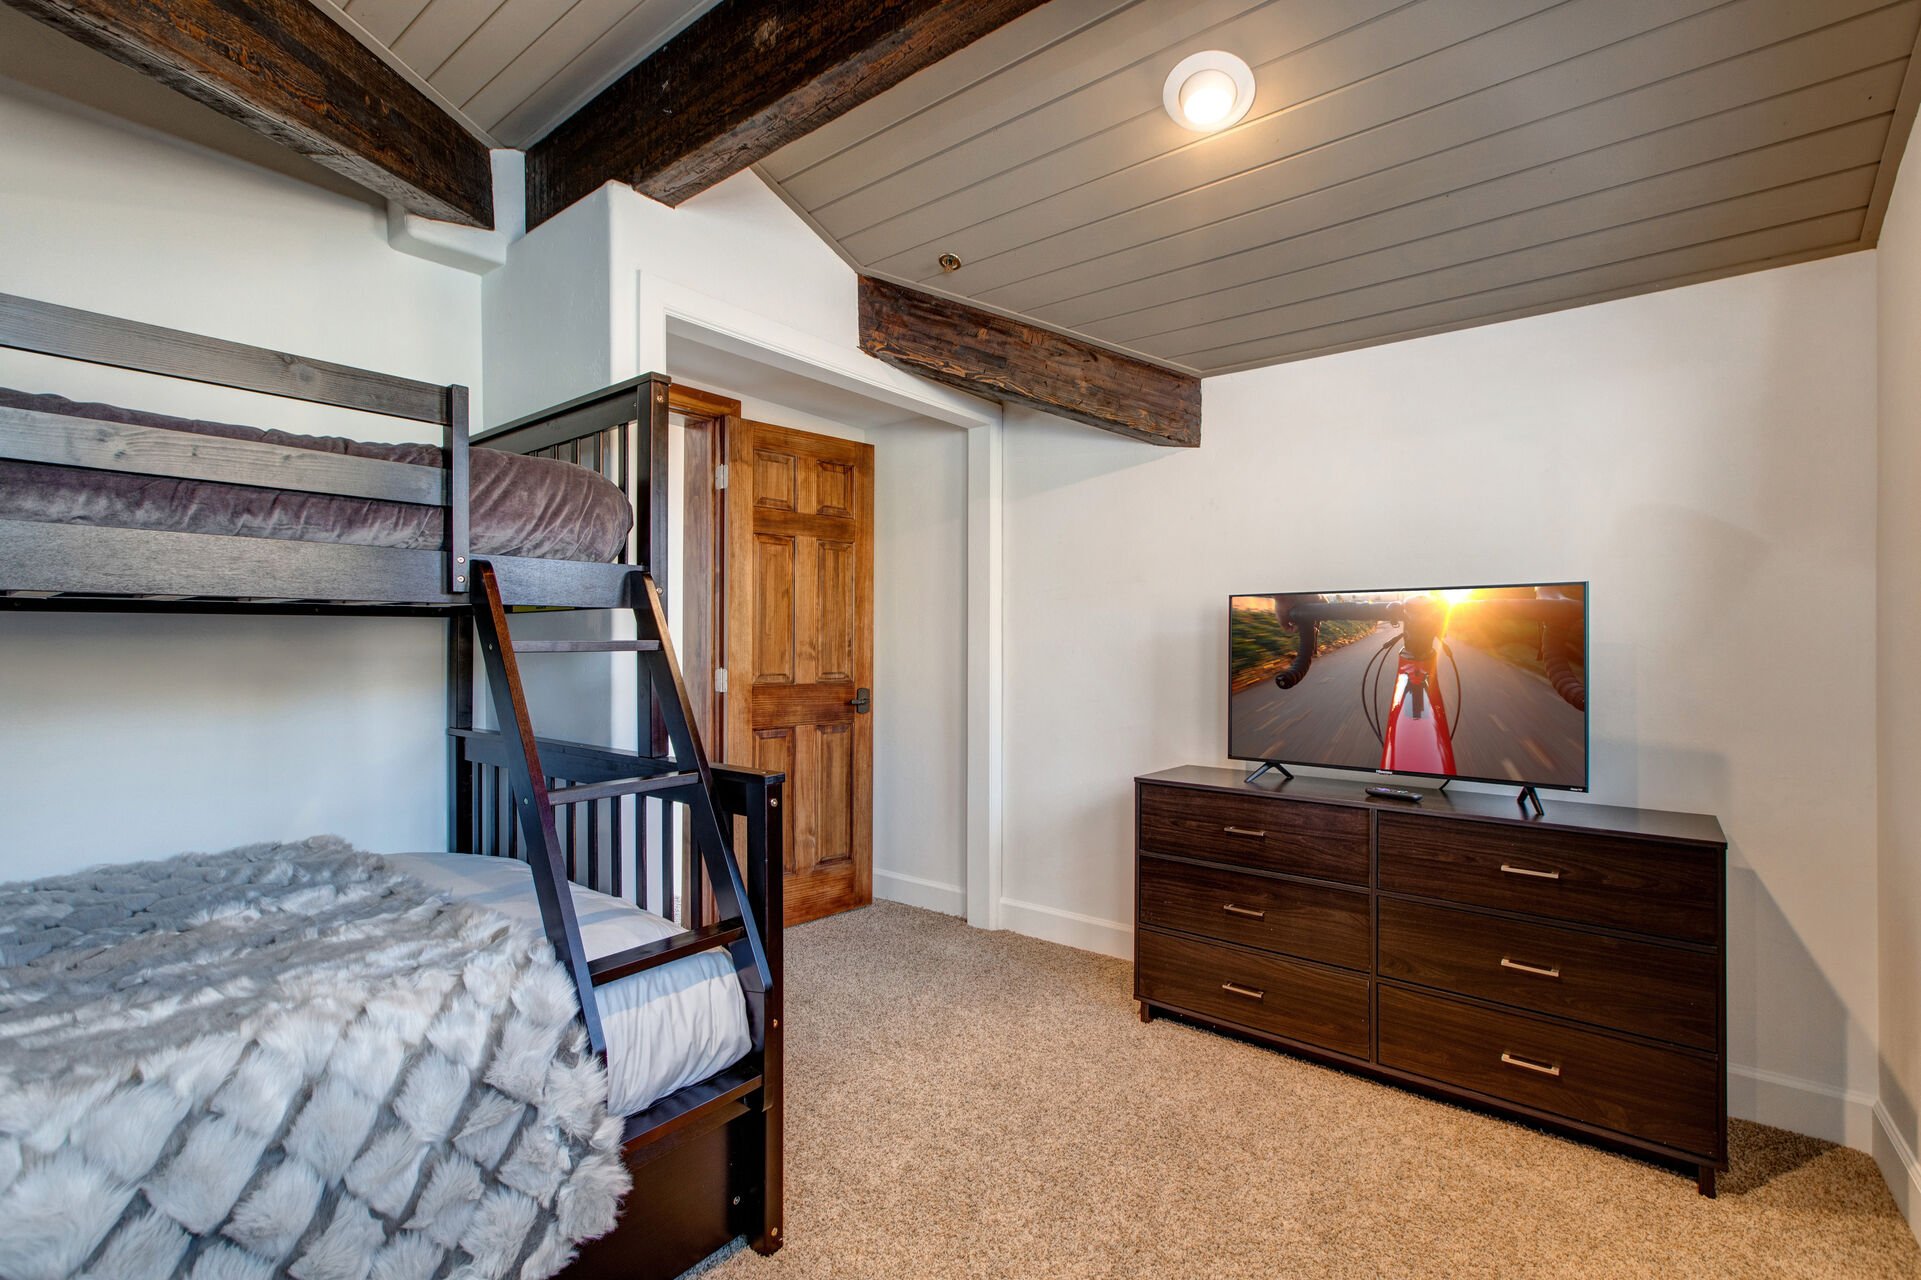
[{"x": 1208, "y": 91}]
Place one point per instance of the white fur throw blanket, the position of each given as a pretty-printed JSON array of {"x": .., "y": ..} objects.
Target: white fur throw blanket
[{"x": 289, "y": 1060}]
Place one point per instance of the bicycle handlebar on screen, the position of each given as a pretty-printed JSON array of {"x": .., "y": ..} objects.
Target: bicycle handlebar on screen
[{"x": 1304, "y": 618}]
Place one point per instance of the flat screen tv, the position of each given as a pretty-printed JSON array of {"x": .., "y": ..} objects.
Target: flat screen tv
[{"x": 1487, "y": 684}]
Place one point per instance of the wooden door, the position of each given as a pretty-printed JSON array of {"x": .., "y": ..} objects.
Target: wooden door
[{"x": 799, "y": 648}]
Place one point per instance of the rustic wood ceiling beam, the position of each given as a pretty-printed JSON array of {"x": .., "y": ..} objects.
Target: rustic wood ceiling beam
[
  {"x": 286, "y": 70},
  {"x": 748, "y": 77},
  {"x": 1009, "y": 361}
]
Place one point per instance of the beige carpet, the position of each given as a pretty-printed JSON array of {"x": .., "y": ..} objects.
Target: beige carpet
[{"x": 970, "y": 1104}]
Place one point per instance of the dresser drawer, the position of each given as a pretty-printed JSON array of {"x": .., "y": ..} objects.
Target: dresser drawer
[
  {"x": 1663, "y": 1096},
  {"x": 1323, "y": 840},
  {"x": 1267, "y": 993},
  {"x": 1668, "y": 890},
  {"x": 1663, "y": 992},
  {"x": 1305, "y": 920}
]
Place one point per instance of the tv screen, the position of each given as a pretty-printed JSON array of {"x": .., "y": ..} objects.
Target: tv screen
[{"x": 1481, "y": 683}]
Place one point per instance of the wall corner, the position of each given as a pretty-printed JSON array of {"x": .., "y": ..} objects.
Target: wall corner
[{"x": 468, "y": 248}]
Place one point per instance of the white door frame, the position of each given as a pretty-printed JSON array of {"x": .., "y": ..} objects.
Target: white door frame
[{"x": 661, "y": 307}]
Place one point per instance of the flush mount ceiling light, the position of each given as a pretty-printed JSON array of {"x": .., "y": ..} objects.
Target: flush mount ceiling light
[{"x": 1208, "y": 91}]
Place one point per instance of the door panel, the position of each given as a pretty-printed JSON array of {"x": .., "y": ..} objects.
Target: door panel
[
  {"x": 775, "y": 487},
  {"x": 837, "y": 602},
  {"x": 774, "y": 559},
  {"x": 835, "y": 748},
  {"x": 799, "y": 543}
]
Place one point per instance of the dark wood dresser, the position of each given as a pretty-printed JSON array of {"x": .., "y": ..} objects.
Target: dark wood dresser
[{"x": 1569, "y": 969}]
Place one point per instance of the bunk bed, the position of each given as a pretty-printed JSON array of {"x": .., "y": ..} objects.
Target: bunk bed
[{"x": 329, "y": 527}]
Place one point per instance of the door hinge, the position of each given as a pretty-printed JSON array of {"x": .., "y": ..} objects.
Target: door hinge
[
  {"x": 720, "y": 679},
  {"x": 720, "y": 476}
]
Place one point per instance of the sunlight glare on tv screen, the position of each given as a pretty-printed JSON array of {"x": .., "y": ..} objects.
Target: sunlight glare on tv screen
[{"x": 1482, "y": 683}]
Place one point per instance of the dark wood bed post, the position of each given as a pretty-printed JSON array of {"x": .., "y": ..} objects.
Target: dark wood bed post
[
  {"x": 460, "y": 631},
  {"x": 766, "y": 1221}
]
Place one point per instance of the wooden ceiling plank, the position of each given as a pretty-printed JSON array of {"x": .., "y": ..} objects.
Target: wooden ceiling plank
[
  {"x": 1355, "y": 255},
  {"x": 384, "y": 20},
  {"x": 492, "y": 47},
  {"x": 1341, "y": 137},
  {"x": 1335, "y": 89},
  {"x": 1905, "y": 109},
  {"x": 1719, "y": 220},
  {"x": 1005, "y": 360},
  {"x": 439, "y": 29},
  {"x": 1551, "y": 270},
  {"x": 1080, "y": 62},
  {"x": 286, "y": 70},
  {"x": 555, "y": 87},
  {"x": 1324, "y": 48},
  {"x": 559, "y": 46},
  {"x": 1028, "y": 44},
  {"x": 1618, "y": 238},
  {"x": 1360, "y": 215},
  {"x": 1451, "y": 148},
  {"x": 745, "y": 78},
  {"x": 1776, "y": 247}
]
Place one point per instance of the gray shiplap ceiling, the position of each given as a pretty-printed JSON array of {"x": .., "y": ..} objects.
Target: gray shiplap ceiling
[
  {"x": 1407, "y": 168},
  {"x": 513, "y": 69}
]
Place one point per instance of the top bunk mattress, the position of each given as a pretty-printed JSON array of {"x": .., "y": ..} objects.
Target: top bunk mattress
[{"x": 540, "y": 508}]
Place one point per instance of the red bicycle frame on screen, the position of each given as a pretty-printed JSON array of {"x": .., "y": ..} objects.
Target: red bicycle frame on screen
[{"x": 1416, "y": 735}]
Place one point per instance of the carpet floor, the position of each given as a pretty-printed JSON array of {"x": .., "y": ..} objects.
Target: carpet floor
[{"x": 971, "y": 1104}]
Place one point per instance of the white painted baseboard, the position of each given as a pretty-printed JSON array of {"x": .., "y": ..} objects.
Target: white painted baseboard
[
  {"x": 930, "y": 895},
  {"x": 1069, "y": 928},
  {"x": 1898, "y": 1166},
  {"x": 1803, "y": 1106}
]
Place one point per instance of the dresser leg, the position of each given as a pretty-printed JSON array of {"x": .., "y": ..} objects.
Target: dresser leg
[
  {"x": 1704, "y": 1179},
  {"x": 1147, "y": 1012}
]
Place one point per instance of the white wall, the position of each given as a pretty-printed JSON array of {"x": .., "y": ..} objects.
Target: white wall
[
  {"x": 123, "y": 738},
  {"x": 920, "y": 666},
  {"x": 1705, "y": 456},
  {"x": 547, "y": 330},
  {"x": 1898, "y": 1134}
]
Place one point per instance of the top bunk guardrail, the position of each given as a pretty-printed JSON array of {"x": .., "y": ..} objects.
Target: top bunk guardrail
[{"x": 46, "y": 564}]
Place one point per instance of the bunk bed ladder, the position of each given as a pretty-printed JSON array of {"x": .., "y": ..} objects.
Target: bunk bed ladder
[{"x": 686, "y": 778}]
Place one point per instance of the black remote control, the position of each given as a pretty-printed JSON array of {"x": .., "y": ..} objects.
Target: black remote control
[{"x": 1395, "y": 793}]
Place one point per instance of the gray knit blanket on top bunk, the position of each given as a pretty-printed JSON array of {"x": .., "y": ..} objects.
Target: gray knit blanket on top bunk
[{"x": 289, "y": 1060}]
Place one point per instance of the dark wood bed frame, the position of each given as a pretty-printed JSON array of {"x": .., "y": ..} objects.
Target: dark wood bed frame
[{"x": 707, "y": 1160}]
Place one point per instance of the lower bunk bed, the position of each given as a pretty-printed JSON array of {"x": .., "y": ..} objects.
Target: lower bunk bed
[{"x": 672, "y": 1017}]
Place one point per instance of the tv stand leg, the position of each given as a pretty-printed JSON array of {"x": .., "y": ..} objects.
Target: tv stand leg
[
  {"x": 1147, "y": 1012},
  {"x": 1704, "y": 1180},
  {"x": 1527, "y": 798},
  {"x": 1270, "y": 768}
]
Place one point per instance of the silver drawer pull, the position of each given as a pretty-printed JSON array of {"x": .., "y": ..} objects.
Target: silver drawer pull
[
  {"x": 1249, "y": 912},
  {"x": 1244, "y": 831},
  {"x": 1545, "y": 1068},
  {"x": 1550, "y": 972},
  {"x": 1235, "y": 988},
  {"x": 1529, "y": 871}
]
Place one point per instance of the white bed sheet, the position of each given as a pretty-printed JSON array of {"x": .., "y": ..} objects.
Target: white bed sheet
[{"x": 667, "y": 1027}]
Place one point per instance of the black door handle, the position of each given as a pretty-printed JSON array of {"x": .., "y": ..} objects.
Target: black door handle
[{"x": 861, "y": 703}]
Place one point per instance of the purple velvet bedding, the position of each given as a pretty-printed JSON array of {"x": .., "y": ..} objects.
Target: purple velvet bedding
[{"x": 520, "y": 506}]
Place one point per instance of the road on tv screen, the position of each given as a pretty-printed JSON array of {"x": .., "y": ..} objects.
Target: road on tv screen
[{"x": 1514, "y": 724}]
